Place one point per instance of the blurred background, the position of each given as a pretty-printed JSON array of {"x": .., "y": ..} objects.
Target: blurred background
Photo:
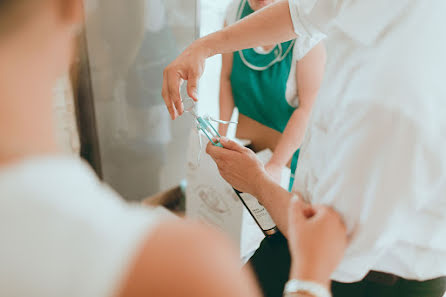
[{"x": 109, "y": 108}]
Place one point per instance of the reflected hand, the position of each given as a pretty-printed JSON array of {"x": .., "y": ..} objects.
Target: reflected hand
[
  {"x": 317, "y": 239},
  {"x": 189, "y": 66},
  {"x": 275, "y": 171},
  {"x": 238, "y": 165}
]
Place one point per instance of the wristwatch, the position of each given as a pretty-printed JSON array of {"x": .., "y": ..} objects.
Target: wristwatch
[{"x": 295, "y": 286}]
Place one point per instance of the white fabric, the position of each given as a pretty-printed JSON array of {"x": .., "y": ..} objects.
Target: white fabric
[
  {"x": 63, "y": 233},
  {"x": 156, "y": 16},
  {"x": 302, "y": 46},
  {"x": 231, "y": 12},
  {"x": 375, "y": 146}
]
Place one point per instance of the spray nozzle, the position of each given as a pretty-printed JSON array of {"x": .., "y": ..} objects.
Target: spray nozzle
[{"x": 204, "y": 124}]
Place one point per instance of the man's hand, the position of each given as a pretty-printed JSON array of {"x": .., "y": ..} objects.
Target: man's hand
[
  {"x": 238, "y": 165},
  {"x": 317, "y": 240},
  {"x": 188, "y": 66},
  {"x": 269, "y": 26},
  {"x": 275, "y": 171}
]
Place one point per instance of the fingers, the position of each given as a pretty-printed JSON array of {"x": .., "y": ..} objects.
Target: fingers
[
  {"x": 323, "y": 211},
  {"x": 299, "y": 212},
  {"x": 223, "y": 157},
  {"x": 296, "y": 215},
  {"x": 229, "y": 147},
  {"x": 192, "y": 86},
  {"x": 232, "y": 145},
  {"x": 213, "y": 151},
  {"x": 328, "y": 215},
  {"x": 167, "y": 101},
  {"x": 174, "y": 82},
  {"x": 171, "y": 93}
]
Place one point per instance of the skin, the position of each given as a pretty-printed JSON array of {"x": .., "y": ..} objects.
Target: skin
[
  {"x": 238, "y": 165},
  {"x": 241, "y": 168},
  {"x": 310, "y": 72},
  {"x": 309, "y": 75},
  {"x": 259, "y": 4},
  {"x": 319, "y": 261},
  {"x": 26, "y": 127},
  {"x": 265, "y": 27},
  {"x": 226, "y": 101},
  {"x": 26, "y": 130},
  {"x": 159, "y": 269},
  {"x": 206, "y": 266}
]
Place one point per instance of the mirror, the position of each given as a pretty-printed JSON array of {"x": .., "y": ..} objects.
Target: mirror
[{"x": 127, "y": 45}]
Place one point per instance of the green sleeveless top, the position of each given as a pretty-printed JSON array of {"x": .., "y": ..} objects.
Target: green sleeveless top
[{"x": 259, "y": 81}]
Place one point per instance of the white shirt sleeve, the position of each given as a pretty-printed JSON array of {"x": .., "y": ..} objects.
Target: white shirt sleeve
[
  {"x": 231, "y": 12},
  {"x": 308, "y": 33},
  {"x": 385, "y": 170},
  {"x": 304, "y": 45},
  {"x": 311, "y": 18}
]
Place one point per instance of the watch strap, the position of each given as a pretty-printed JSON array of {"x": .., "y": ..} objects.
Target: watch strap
[{"x": 295, "y": 286}]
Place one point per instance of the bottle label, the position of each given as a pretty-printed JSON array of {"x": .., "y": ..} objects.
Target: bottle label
[{"x": 259, "y": 212}]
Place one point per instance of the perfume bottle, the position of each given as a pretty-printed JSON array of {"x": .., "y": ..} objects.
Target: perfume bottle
[{"x": 257, "y": 211}]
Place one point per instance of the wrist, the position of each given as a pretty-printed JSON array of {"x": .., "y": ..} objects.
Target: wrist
[
  {"x": 222, "y": 130},
  {"x": 276, "y": 163},
  {"x": 206, "y": 46},
  {"x": 263, "y": 186},
  {"x": 306, "y": 274}
]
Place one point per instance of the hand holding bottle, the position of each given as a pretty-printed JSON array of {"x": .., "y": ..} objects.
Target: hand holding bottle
[{"x": 238, "y": 165}]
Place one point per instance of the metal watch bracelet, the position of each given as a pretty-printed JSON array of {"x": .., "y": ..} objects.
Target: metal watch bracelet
[{"x": 294, "y": 287}]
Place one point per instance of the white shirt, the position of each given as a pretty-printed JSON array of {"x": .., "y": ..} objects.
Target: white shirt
[
  {"x": 302, "y": 46},
  {"x": 63, "y": 233},
  {"x": 375, "y": 149}
]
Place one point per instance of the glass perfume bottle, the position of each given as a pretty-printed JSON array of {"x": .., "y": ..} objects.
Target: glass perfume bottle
[{"x": 256, "y": 210}]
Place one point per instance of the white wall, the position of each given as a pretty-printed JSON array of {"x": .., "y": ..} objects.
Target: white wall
[
  {"x": 129, "y": 44},
  {"x": 212, "y": 19}
]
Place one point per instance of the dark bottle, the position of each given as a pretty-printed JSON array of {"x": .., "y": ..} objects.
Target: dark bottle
[{"x": 258, "y": 212}]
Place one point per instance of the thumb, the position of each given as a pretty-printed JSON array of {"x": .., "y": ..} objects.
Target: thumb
[
  {"x": 192, "y": 87},
  {"x": 296, "y": 214},
  {"x": 232, "y": 145}
]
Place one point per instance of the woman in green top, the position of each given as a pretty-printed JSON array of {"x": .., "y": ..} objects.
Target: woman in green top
[{"x": 273, "y": 86}]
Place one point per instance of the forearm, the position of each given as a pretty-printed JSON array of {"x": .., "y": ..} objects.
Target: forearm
[
  {"x": 292, "y": 137},
  {"x": 226, "y": 105},
  {"x": 310, "y": 72},
  {"x": 268, "y": 26},
  {"x": 276, "y": 200}
]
